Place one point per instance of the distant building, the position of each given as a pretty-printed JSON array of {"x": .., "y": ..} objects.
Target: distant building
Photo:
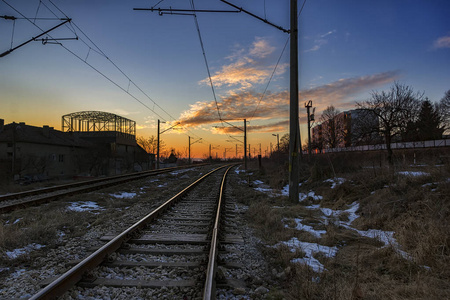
[
  {"x": 95, "y": 144},
  {"x": 348, "y": 130}
]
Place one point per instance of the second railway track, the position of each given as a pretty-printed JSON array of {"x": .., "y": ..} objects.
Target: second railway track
[
  {"x": 171, "y": 252},
  {"x": 13, "y": 201}
]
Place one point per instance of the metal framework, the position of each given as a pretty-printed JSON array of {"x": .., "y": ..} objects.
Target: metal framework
[{"x": 97, "y": 121}]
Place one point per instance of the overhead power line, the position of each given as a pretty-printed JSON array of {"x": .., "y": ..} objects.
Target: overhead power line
[{"x": 74, "y": 28}]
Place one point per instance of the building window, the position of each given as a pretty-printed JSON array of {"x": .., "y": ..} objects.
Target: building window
[
  {"x": 10, "y": 154},
  {"x": 9, "y": 145},
  {"x": 61, "y": 158}
]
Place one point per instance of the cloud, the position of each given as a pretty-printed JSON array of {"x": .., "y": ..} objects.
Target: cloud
[
  {"x": 321, "y": 41},
  {"x": 261, "y": 48},
  {"x": 442, "y": 42},
  {"x": 249, "y": 104},
  {"x": 246, "y": 68}
]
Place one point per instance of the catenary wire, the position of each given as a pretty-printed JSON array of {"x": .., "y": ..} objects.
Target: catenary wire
[
  {"x": 98, "y": 71},
  {"x": 276, "y": 66}
]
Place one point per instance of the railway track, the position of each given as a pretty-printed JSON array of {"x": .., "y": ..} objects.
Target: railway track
[
  {"x": 172, "y": 251},
  {"x": 11, "y": 202}
]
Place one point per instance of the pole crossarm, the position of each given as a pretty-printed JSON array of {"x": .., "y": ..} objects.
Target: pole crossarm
[
  {"x": 34, "y": 38},
  {"x": 255, "y": 16},
  {"x": 195, "y": 142},
  {"x": 170, "y": 128},
  {"x": 176, "y": 11}
]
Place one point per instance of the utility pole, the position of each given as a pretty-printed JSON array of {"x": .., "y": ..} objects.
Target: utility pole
[
  {"x": 294, "y": 132},
  {"x": 278, "y": 141},
  {"x": 190, "y": 147},
  {"x": 158, "y": 138},
  {"x": 157, "y": 148},
  {"x": 245, "y": 144},
  {"x": 293, "y": 107},
  {"x": 308, "y": 105}
]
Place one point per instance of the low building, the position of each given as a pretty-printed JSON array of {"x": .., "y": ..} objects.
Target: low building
[{"x": 94, "y": 150}]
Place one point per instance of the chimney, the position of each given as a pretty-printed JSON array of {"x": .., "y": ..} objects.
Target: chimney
[
  {"x": 46, "y": 131},
  {"x": 2, "y": 125}
]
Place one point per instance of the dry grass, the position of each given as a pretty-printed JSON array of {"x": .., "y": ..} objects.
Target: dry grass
[{"x": 416, "y": 208}]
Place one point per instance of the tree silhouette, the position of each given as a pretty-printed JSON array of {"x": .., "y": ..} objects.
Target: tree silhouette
[
  {"x": 444, "y": 108},
  {"x": 332, "y": 127},
  {"x": 395, "y": 109},
  {"x": 429, "y": 122}
]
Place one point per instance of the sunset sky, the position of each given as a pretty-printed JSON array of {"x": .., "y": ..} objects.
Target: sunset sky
[{"x": 146, "y": 67}]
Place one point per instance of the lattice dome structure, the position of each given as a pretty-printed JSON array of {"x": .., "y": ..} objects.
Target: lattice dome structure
[{"x": 98, "y": 121}]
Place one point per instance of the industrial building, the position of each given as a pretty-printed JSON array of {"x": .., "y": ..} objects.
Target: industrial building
[{"x": 91, "y": 143}]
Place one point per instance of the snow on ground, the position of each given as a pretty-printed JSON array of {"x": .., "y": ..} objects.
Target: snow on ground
[
  {"x": 180, "y": 171},
  {"x": 300, "y": 226},
  {"x": 330, "y": 215},
  {"x": 310, "y": 249},
  {"x": 414, "y": 174},
  {"x": 84, "y": 206},
  {"x": 311, "y": 194},
  {"x": 22, "y": 251},
  {"x": 123, "y": 195},
  {"x": 335, "y": 181}
]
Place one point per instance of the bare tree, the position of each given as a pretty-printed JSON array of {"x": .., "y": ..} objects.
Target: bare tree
[
  {"x": 444, "y": 109},
  {"x": 332, "y": 127},
  {"x": 395, "y": 109},
  {"x": 151, "y": 144}
]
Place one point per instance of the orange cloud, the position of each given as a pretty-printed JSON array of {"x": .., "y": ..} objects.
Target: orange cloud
[
  {"x": 246, "y": 68},
  {"x": 250, "y": 104}
]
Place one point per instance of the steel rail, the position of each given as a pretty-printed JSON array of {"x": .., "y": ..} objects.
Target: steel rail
[
  {"x": 59, "y": 286},
  {"x": 209, "y": 291},
  {"x": 74, "y": 188},
  {"x": 85, "y": 182}
]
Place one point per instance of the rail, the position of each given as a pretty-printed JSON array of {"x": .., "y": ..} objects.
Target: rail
[{"x": 59, "y": 286}]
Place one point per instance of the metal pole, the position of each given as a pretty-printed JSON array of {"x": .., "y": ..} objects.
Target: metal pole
[
  {"x": 293, "y": 107},
  {"x": 245, "y": 144},
  {"x": 189, "y": 149},
  {"x": 157, "y": 149},
  {"x": 278, "y": 142},
  {"x": 210, "y": 158}
]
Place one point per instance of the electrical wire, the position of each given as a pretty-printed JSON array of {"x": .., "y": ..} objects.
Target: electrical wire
[
  {"x": 276, "y": 66},
  {"x": 100, "y": 52},
  {"x": 206, "y": 61}
]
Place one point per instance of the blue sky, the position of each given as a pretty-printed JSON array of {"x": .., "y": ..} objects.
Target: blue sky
[{"x": 346, "y": 50}]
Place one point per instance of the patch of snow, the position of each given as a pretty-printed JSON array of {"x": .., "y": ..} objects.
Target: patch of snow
[
  {"x": 310, "y": 249},
  {"x": 263, "y": 190},
  {"x": 258, "y": 182},
  {"x": 414, "y": 174},
  {"x": 179, "y": 171},
  {"x": 84, "y": 206},
  {"x": 238, "y": 170},
  {"x": 162, "y": 185},
  {"x": 308, "y": 228},
  {"x": 335, "y": 181},
  {"x": 313, "y": 206},
  {"x": 285, "y": 190},
  {"x": 123, "y": 195},
  {"x": 311, "y": 194},
  {"x": 22, "y": 251},
  {"x": 386, "y": 237}
]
